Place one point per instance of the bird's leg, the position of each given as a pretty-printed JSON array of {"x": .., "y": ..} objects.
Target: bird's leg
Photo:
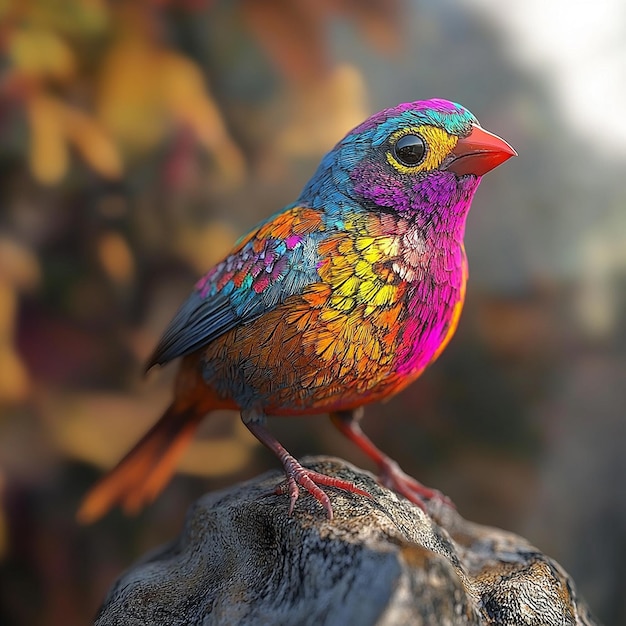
[
  {"x": 390, "y": 474},
  {"x": 296, "y": 474}
]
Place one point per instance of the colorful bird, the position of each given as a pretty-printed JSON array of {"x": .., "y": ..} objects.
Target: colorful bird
[{"x": 339, "y": 300}]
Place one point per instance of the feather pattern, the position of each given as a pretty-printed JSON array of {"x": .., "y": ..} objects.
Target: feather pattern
[{"x": 276, "y": 260}]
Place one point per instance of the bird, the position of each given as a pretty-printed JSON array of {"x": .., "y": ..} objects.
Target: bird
[{"x": 340, "y": 299}]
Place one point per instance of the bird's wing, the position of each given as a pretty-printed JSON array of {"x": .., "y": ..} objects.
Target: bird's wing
[{"x": 276, "y": 260}]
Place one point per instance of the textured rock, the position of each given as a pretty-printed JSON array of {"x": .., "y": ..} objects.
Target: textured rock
[{"x": 242, "y": 560}]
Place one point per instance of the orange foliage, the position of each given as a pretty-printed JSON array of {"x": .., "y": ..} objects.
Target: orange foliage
[
  {"x": 140, "y": 92},
  {"x": 136, "y": 91}
]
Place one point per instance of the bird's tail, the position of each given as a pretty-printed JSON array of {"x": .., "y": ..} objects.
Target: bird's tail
[{"x": 143, "y": 473}]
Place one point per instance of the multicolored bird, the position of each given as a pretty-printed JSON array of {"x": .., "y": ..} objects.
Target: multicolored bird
[{"x": 338, "y": 300}]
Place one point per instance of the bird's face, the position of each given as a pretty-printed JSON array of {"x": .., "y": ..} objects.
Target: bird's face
[{"x": 422, "y": 158}]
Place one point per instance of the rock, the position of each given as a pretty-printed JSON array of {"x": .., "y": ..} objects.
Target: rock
[{"x": 241, "y": 559}]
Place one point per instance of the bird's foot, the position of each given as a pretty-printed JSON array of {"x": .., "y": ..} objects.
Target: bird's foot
[
  {"x": 392, "y": 477},
  {"x": 298, "y": 476}
]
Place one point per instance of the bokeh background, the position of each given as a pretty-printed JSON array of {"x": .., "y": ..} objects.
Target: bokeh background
[{"x": 139, "y": 138}]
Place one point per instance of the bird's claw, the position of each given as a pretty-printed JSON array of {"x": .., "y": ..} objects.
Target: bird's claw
[
  {"x": 392, "y": 477},
  {"x": 298, "y": 476}
]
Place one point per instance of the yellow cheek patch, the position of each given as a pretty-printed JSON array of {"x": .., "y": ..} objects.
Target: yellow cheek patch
[{"x": 438, "y": 145}]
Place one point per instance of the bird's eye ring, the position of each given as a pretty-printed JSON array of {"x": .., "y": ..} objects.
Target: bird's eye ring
[{"x": 410, "y": 150}]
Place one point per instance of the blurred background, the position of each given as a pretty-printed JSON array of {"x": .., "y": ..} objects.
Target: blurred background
[{"x": 140, "y": 138}]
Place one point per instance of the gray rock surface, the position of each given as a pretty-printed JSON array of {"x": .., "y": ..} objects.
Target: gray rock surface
[{"x": 241, "y": 559}]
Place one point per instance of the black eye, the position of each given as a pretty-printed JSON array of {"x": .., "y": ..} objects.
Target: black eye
[{"x": 410, "y": 150}]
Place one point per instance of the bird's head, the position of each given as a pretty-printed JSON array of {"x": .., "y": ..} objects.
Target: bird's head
[{"x": 424, "y": 158}]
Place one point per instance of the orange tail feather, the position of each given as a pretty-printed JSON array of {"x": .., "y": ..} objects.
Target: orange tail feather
[{"x": 143, "y": 473}]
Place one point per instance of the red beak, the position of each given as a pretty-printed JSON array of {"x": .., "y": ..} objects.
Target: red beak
[{"x": 479, "y": 153}]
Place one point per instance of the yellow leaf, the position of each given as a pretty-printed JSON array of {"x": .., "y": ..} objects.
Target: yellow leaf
[
  {"x": 48, "y": 150},
  {"x": 52, "y": 123},
  {"x": 116, "y": 257},
  {"x": 18, "y": 264},
  {"x": 93, "y": 143},
  {"x": 14, "y": 382},
  {"x": 220, "y": 456},
  {"x": 186, "y": 96},
  {"x": 204, "y": 246},
  {"x": 39, "y": 52},
  {"x": 8, "y": 308},
  {"x": 143, "y": 88},
  {"x": 77, "y": 18},
  {"x": 129, "y": 100},
  {"x": 100, "y": 428},
  {"x": 180, "y": 78},
  {"x": 202, "y": 116},
  {"x": 323, "y": 110}
]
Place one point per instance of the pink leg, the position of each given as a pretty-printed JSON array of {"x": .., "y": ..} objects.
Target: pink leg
[
  {"x": 390, "y": 474},
  {"x": 296, "y": 474}
]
